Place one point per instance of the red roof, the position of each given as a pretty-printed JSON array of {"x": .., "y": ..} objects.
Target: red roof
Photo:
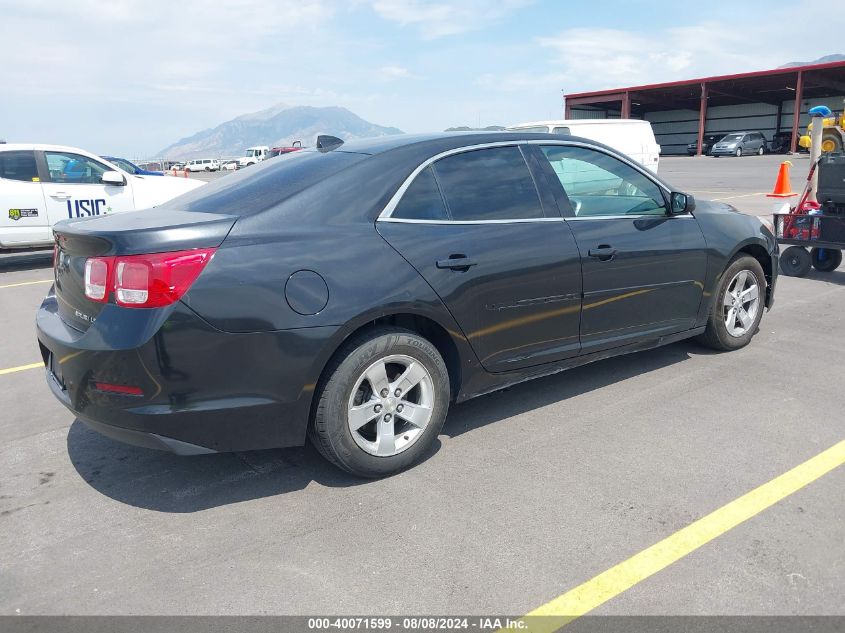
[{"x": 689, "y": 82}]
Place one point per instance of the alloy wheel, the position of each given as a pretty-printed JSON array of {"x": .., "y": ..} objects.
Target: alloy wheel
[
  {"x": 741, "y": 303},
  {"x": 390, "y": 405}
]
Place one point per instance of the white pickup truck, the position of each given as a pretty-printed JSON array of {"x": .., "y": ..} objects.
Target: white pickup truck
[
  {"x": 43, "y": 184},
  {"x": 253, "y": 155}
]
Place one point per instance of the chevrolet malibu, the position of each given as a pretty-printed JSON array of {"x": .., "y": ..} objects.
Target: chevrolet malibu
[{"x": 349, "y": 293}]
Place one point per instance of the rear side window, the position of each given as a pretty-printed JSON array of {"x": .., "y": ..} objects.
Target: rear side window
[
  {"x": 422, "y": 200},
  {"x": 488, "y": 184},
  {"x": 18, "y": 166}
]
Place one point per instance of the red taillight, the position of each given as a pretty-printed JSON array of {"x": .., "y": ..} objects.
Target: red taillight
[
  {"x": 146, "y": 281},
  {"x": 125, "y": 390}
]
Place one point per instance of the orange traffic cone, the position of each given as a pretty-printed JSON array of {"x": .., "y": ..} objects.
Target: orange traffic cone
[{"x": 783, "y": 189}]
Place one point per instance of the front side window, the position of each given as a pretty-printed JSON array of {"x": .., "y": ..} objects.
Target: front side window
[
  {"x": 422, "y": 200},
  {"x": 73, "y": 168},
  {"x": 488, "y": 184},
  {"x": 18, "y": 165},
  {"x": 599, "y": 184}
]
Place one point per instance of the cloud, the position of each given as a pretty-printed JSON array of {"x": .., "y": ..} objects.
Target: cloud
[
  {"x": 390, "y": 73},
  {"x": 441, "y": 19}
]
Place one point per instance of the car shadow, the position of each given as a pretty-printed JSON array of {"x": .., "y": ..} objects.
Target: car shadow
[
  {"x": 163, "y": 482},
  {"x": 160, "y": 481},
  {"x": 14, "y": 262},
  {"x": 541, "y": 392}
]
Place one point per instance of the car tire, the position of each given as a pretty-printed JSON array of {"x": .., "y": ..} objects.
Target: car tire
[
  {"x": 825, "y": 260},
  {"x": 795, "y": 261},
  {"x": 738, "y": 152},
  {"x": 353, "y": 390},
  {"x": 208, "y": 169},
  {"x": 760, "y": 151},
  {"x": 741, "y": 291}
]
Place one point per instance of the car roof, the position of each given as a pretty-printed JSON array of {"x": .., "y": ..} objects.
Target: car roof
[
  {"x": 43, "y": 147},
  {"x": 443, "y": 141},
  {"x": 564, "y": 122}
]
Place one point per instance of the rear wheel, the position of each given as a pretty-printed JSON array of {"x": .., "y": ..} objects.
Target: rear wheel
[
  {"x": 795, "y": 261},
  {"x": 382, "y": 403},
  {"x": 826, "y": 260},
  {"x": 738, "y": 308},
  {"x": 760, "y": 151}
]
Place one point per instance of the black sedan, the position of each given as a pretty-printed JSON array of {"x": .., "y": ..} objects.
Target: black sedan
[
  {"x": 707, "y": 144},
  {"x": 350, "y": 293}
]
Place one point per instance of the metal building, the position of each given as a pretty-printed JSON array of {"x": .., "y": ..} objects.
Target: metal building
[{"x": 683, "y": 112}]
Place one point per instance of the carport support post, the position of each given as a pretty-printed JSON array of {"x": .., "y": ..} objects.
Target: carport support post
[
  {"x": 626, "y": 105},
  {"x": 702, "y": 118},
  {"x": 796, "y": 115}
]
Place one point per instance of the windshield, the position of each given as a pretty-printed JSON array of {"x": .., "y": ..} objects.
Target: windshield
[
  {"x": 732, "y": 137},
  {"x": 125, "y": 165}
]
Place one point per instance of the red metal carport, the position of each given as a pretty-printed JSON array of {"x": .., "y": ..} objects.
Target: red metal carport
[{"x": 773, "y": 87}]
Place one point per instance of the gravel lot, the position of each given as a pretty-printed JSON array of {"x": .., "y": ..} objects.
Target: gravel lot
[{"x": 529, "y": 493}]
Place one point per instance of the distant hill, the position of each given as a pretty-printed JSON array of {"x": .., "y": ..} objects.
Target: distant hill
[
  {"x": 276, "y": 126},
  {"x": 821, "y": 60}
]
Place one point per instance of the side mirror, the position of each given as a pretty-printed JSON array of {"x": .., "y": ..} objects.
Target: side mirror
[
  {"x": 113, "y": 178},
  {"x": 681, "y": 203}
]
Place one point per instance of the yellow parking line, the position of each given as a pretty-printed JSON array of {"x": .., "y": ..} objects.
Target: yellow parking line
[
  {"x": 27, "y": 283},
  {"x": 12, "y": 370},
  {"x": 586, "y": 597},
  {"x": 744, "y": 195}
]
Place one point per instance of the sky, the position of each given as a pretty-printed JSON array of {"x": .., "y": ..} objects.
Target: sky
[{"x": 129, "y": 77}]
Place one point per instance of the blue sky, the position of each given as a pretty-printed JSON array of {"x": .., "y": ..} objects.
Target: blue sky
[{"x": 128, "y": 77}]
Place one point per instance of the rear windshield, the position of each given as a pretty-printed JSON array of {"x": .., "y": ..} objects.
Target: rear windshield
[{"x": 262, "y": 186}]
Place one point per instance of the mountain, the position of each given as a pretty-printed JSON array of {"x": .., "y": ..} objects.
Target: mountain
[
  {"x": 821, "y": 60},
  {"x": 279, "y": 125}
]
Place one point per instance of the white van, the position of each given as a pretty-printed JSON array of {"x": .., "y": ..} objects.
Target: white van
[
  {"x": 202, "y": 164},
  {"x": 632, "y": 137}
]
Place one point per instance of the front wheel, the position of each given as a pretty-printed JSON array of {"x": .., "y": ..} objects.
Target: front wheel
[
  {"x": 738, "y": 152},
  {"x": 381, "y": 403},
  {"x": 825, "y": 260},
  {"x": 760, "y": 151},
  {"x": 738, "y": 307}
]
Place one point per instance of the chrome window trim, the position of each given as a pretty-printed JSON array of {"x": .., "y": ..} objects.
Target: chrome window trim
[
  {"x": 387, "y": 213},
  {"x": 514, "y": 221},
  {"x": 630, "y": 217}
]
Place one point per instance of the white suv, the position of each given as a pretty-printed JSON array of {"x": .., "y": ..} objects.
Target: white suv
[{"x": 203, "y": 164}]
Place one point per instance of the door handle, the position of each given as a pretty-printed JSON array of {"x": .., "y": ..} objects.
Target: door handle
[
  {"x": 603, "y": 252},
  {"x": 61, "y": 195},
  {"x": 456, "y": 262}
]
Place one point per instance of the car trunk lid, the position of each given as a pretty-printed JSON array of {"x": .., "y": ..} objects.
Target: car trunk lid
[{"x": 133, "y": 233}]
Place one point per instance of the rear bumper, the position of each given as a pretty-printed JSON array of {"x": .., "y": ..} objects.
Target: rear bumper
[{"x": 203, "y": 390}]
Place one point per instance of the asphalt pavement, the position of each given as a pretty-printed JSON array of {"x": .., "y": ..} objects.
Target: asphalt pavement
[{"x": 529, "y": 492}]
